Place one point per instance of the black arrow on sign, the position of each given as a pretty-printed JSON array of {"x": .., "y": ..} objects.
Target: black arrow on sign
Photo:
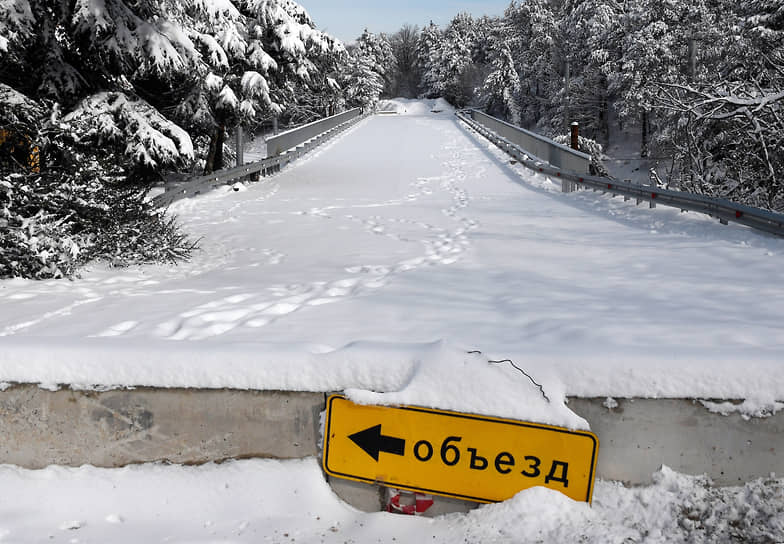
[{"x": 373, "y": 442}]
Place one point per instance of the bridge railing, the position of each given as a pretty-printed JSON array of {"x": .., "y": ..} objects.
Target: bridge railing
[
  {"x": 299, "y": 141},
  {"x": 571, "y": 179},
  {"x": 280, "y": 143},
  {"x": 536, "y": 145}
]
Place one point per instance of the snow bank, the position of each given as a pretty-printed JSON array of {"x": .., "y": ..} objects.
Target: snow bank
[
  {"x": 435, "y": 375},
  {"x": 409, "y": 106}
]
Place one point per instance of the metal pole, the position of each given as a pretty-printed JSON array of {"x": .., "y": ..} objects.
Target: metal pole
[
  {"x": 576, "y": 135},
  {"x": 240, "y": 146},
  {"x": 568, "y": 74}
]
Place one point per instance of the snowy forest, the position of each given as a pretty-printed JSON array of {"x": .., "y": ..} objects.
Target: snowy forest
[{"x": 101, "y": 99}]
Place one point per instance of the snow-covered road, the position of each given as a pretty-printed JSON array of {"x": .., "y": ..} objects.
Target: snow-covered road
[{"x": 410, "y": 229}]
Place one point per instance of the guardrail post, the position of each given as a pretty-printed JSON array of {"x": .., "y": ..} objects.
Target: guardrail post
[
  {"x": 576, "y": 136},
  {"x": 655, "y": 185}
]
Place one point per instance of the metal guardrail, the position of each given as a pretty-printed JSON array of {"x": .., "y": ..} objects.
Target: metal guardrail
[
  {"x": 262, "y": 168},
  {"x": 725, "y": 210},
  {"x": 536, "y": 145},
  {"x": 280, "y": 143}
]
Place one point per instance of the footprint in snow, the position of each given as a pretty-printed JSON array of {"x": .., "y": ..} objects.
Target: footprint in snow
[{"x": 119, "y": 329}]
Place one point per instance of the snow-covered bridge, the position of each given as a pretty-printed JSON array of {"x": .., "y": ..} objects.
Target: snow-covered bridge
[{"x": 410, "y": 228}]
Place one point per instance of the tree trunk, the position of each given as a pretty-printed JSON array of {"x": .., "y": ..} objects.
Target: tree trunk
[
  {"x": 215, "y": 154},
  {"x": 644, "y": 134}
]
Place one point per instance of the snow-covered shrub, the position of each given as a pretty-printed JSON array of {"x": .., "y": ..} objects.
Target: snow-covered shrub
[
  {"x": 76, "y": 205},
  {"x": 33, "y": 244},
  {"x": 52, "y": 223}
]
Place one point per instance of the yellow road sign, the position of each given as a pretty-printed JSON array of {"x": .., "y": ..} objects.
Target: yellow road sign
[{"x": 470, "y": 457}]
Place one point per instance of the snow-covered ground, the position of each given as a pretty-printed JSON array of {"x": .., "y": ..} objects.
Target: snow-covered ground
[
  {"x": 285, "y": 502},
  {"x": 417, "y": 107},
  {"x": 374, "y": 266}
]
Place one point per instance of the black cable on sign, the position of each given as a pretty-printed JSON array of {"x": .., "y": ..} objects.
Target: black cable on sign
[{"x": 526, "y": 374}]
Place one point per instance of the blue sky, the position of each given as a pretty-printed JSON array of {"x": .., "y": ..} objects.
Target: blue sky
[{"x": 346, "y": 19}]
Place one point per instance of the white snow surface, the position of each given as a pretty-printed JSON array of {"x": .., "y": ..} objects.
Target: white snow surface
[
  {"x": 289, "y": 501},
  {"x": 417, "y": 107},
  {"x": 377, "y": 263}
]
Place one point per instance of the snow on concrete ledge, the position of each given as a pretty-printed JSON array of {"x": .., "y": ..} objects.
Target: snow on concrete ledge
[{"x": 435, "y": 375}]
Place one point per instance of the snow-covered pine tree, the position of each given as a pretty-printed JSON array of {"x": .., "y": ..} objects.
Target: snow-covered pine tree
[
  {"x": 378, "y": 49},
  {"x": 258, "y": 54},
  {"x": 500, "y": 94},
  {"x": 320, "y": 94},
  {"x": 361, "y": 82},
  {"x": 457, "y": 60},
  {"x": 533, "y": 41},
  {"x": 590, "y": 38},
  {"x": 429, "y": 55},
  {"x": 107, "y": 70},
  {"x": 67, "y": 51}
]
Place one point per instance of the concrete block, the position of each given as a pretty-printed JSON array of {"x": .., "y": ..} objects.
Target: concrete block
[
  {"x": 640, "y": 435},
  {"x": 117, "y": 428}
]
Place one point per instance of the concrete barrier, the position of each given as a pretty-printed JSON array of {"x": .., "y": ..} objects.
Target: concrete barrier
[
  {"x": 280, "y": 143},
  {"x": 536, "y": 145},
  {"x": 192, "y": 426},
  {"x": 639, "y": 435},
  {"x": 117, "y": 428}
]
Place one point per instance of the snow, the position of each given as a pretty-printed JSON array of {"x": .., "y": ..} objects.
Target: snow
[
  {"x": 150, "y": 138},
  {"x": 218, "y": 10},
  {"x": 91, "y": 16},
  {"x": 289, "y": 501},
  {"x": 408, "y": 106},
  {"x": 215, "y": 53},
  {"x": 260, "y": 59},
  {"x": 213, "y": 82},
  {"x": 227, "y": 99},
  {"x": 377, "y": 263},
  {"x": 12, "y": 97},
  {"x": 254, "y": 84}
]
